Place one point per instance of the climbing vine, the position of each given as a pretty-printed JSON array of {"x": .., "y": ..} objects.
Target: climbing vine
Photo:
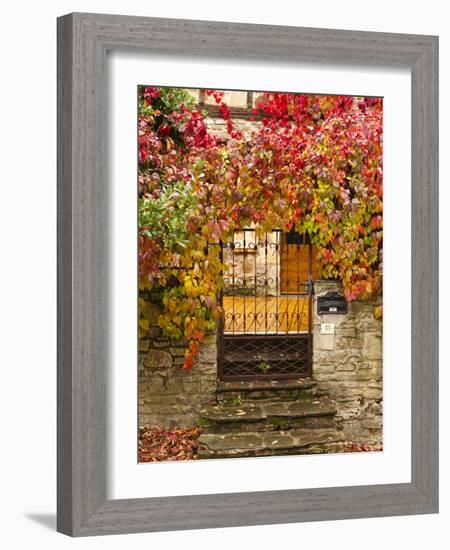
[{"x": 311, "y": 164}]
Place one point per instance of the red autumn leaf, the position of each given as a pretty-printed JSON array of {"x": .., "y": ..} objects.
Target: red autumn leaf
[{"x": 314, "y": 165}]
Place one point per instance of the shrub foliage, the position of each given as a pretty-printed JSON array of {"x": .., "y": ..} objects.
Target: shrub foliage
[{"x": 312, "y": 163}]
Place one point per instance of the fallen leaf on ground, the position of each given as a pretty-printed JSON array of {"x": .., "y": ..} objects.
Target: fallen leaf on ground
[
  {"x": 354, "y": 447},
  {"x": 157, "y": 445}
]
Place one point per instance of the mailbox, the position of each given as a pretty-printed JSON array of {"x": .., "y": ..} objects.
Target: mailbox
[{"x": 332, "y": 302}]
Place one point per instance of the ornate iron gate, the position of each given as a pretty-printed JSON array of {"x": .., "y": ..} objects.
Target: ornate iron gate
[{"x": 266, "y": 329}]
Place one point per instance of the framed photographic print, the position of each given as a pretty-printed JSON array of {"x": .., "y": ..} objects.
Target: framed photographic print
[
  {"x": 260, "y": 218},
  {"x": 247, "y": 274}
]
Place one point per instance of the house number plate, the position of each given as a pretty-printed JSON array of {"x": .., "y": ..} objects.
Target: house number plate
[{"x": 327, "y": 328}]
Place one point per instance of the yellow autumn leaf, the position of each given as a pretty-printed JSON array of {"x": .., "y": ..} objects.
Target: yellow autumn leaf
[
  {"x": 143, "y": 327},
  {"x": 378, "y": 312}
]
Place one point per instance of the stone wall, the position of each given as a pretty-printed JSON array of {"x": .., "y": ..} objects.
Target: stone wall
[
  {"x": 169, "y": 395},
  {"x": 218, "y": 126},
  {"x": 241, "y": 107},
  {"x": 348, "y": 366}
]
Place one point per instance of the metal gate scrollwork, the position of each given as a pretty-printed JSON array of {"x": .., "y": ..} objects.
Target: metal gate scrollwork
[{"x": 266, "y": 329}]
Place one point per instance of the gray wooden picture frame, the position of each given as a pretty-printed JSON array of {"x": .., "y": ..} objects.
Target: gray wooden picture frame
[{"x": 83, "y": 41}]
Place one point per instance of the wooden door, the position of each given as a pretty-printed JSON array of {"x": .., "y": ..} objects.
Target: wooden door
[{"x": 295, "y": 263}]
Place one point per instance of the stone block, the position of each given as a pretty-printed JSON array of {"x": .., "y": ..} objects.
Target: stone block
[
  {"x": 157, "y": 399},
  {"x": 323, "y": 286},
  {"x": 345, "y": 392},
  {"x": 375, "y": 423},
  {"x": 151, "y": 313},
  {"x": 156, "y": 385},
  {"x": 178, "y": 362},
  {"x": 161, "y": 342},
  {"x": 325, "y": 377},
  {"x": 378, "y": 372},
  {"x": 210, "y": 339},
  {"x": 158, "y": 359},
  {"x": 205, "y": 369},
  {"x": 177, "y": 351},
  {"x": 342, "y": 343},
  {"x": 375, "y": 408},
  {"x": 336, "y": 320},
  {"x": 324, "y": 341},
  {"x": 352, "y": 376},
  {"x": 363, "y": 366},
  {"x": 144, "y": 345},
  {"x": 355, "y": 343},
  {"x": 373, "y": 393},
  {"x": 207, "y": 354},
  {"x": 191, "y": 386},
  {"x": 372, "y": 348},
  {"x": 348, "y": 366},
  {"x": 236, "y": 99},
  {"x": 154, "y": 332},
  {"x": 323, "y": 369},
  {"x": 351, "y": 355}
]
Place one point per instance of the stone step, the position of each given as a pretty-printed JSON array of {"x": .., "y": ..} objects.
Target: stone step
[
  {"x": 262, "y": 416},
  {"x": 234, "y": 392},
  {"x": 291, "y": 442}
]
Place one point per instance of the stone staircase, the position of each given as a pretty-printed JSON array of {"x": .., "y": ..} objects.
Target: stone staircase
[{"x": 265, "y": 418}]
